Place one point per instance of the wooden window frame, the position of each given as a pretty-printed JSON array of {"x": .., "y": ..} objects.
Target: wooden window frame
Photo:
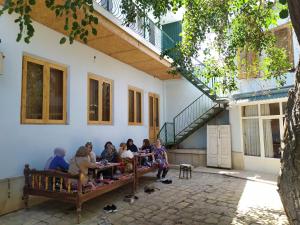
[
  {"x": 154, "y": 95},
  {"x": 101, "y": 80},
  {"x": 135, "y": 90},
  {"x": 47, "y": 65},
  {"x": 288, "y": 26}
]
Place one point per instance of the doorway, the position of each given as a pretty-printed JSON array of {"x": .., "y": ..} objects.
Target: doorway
[{"x": 153, "y": 116}]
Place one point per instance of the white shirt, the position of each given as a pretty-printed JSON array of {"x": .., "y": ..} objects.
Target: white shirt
[
  {"x": 92, "y": 157},
  {"x": 127, "y": 154}
]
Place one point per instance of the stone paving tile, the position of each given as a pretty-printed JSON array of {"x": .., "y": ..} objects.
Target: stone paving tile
[{"x": 205, "y": 199}]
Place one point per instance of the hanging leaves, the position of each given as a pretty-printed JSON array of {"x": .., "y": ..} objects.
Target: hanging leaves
[{"x": 70, "y": 9}]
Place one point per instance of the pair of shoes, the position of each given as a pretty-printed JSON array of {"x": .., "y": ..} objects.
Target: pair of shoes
[
  {"x": 110, "y": 208},
  {"x": 167, "y": 181},
  {"x": 132, "y": 196}
]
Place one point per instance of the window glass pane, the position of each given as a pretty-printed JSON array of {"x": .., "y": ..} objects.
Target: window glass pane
[
  {"x": 151, "y": 111},
  {"x": 94, "y": 100},
  {"x": 251, "y": 137},
  {"x": 157, "y": 111},
  {"x": 250, "y": 110},
  {"x": 284, "y": 107},
  {"x": 269, "y": 109},
  {"x": 106, "y": 102},
  {"x": 34, "y": 91},
  {"x": 131, "y": 106},
  {"x": 271, "y": 138},
  {"x": 56, "y": 94},
  {"x": 138, "y": 107}
]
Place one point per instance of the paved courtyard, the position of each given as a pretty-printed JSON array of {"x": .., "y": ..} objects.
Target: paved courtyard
[{"x": 203, "y": 200}]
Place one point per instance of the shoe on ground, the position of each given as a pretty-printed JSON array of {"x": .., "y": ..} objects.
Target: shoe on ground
[
  {"x": 108, "y": 209},
  {"x": 113, "y": 208},
  {"x": 167, "y": 181}
]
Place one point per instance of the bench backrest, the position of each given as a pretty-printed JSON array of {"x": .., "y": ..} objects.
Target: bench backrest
[{"x": 54, "y": 181}]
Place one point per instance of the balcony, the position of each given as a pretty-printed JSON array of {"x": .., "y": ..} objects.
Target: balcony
[{"x": 135, "y": 45}]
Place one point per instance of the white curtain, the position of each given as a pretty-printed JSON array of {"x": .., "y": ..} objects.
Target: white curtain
[
  {"x": 267, "y": 129},
  {"x": 251, "y": 137},
  {"x": 251, "y": 110}
]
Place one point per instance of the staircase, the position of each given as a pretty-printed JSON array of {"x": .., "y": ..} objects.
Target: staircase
[{"x": 195, "y": 115}]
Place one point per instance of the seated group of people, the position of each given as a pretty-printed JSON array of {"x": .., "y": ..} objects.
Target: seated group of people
[{"x": 85, "y": 158}]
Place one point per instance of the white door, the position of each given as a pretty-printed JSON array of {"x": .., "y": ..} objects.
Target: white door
[
  {"x": 224, "y": 146},
  {"x": 212, "y": 146},
  {"x": 218, "y": 146}
]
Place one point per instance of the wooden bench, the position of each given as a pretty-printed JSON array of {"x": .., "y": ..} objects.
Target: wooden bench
[{"x": 59, "y": 186}]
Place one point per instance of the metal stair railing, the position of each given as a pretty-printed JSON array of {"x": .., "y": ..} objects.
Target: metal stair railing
[
  {"x": 189, "y": 119},
  {"x": 192, "y": 113},
  {"x": 166, "y": 134}
]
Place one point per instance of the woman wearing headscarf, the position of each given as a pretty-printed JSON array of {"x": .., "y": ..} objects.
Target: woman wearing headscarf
[
  {"x": 130, "y": 146},
  {"x": 57, "y": 162},
  {"x": 81, "y": 163}
]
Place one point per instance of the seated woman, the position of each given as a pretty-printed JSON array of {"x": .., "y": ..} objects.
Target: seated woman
[
  {"x": 130, "y": 146},
  {"x": 147, "y": 148},
  {"x": 81, "y": 163},
  {"x": 92, "y": 154},
  {"x": 161, "y": 159},
  {"x": 57, "y": 162},
  {"x": 109, "y": 153},
  {"x": 124, "y": 152},
  {"x": 125, "y": 156}
]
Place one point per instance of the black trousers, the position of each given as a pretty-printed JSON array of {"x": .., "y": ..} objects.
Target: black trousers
[{"x": 164, "y": 172}]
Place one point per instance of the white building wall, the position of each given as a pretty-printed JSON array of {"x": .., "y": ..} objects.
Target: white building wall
[
  {"x": 178, "y": 95},
  {"x": 33, "y": 144}
]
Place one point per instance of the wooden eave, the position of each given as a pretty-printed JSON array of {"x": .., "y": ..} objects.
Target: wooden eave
[{"x": 111, "y": 40}]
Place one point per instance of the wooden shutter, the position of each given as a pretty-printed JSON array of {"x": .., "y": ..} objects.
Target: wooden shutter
[
  {"x": 247, "y": 64},
  {"x": 284, "y": 39}
]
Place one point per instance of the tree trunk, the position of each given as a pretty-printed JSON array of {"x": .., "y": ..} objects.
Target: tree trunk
[{"x": 289, "y": 181}]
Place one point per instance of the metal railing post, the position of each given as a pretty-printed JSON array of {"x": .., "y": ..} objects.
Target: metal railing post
[{"x": 166, "y": 138}]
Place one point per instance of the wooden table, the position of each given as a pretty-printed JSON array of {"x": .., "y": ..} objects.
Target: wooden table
[
  {"x": 102, "y": 167},
  {"x": 140, "y": 155},
  {"x": 140, "y": 171}
]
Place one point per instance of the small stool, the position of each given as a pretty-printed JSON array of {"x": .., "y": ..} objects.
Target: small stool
[{"x": 186, "y": 171}]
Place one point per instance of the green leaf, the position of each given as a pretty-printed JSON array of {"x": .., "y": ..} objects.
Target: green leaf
[
  {"x": 284, "y": 14},
  {"x": 32, "y": 2},
  {"x": 62, "y": 40},
  {"x": 19, "y": 36},
  {"x": 96, "y": 20},
  {"x": 283, "y": 2},
  {"x": 94, "y": 31}
]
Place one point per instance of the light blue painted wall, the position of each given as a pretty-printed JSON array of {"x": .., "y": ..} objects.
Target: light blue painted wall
[{"x": 33, "y": 144}]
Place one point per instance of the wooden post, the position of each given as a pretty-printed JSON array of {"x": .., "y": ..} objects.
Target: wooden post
[
  {"x": 79, "y": 193},
  {"x": 27, "y": 185},
  {"x": 135, "y": 175}
]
